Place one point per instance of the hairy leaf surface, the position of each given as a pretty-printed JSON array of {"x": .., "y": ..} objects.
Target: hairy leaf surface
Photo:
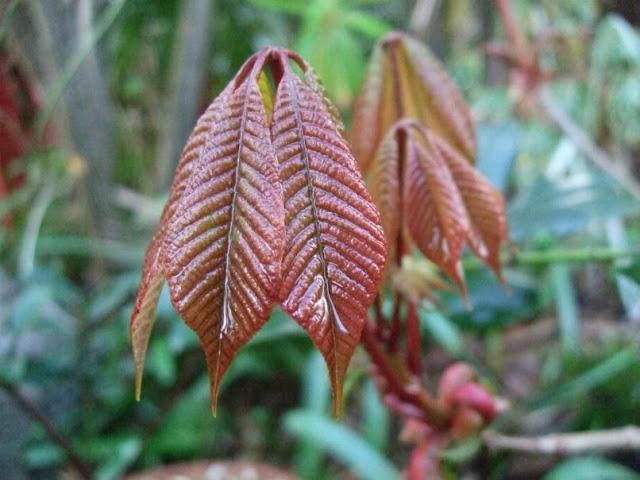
[
  {"x": 335, "y": 248},
  {"x": 226, "y": 238}
]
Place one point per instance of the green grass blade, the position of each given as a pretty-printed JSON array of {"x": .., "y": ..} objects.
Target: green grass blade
[{"x": 341, "y": 443}]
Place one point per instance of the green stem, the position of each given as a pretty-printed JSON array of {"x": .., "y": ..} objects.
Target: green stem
[
  {"x": 589, "y": 254},
  {"x": 545, "y": 257}
]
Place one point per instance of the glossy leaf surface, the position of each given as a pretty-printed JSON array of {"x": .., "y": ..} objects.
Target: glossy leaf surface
[
  {"x": 484, "y": 204},
  {"x": 268, "y": 205},
  {"x": 335, "y": 251},
  {"x": 225, "y": 242},
  {"x": 153, "y": 270}
]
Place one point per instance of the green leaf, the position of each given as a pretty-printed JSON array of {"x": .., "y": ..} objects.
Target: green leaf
[
  {"x": 546, "y": 207},
  {"x": 120, "y": 457},
  {"x": 570, "y": 391},
  {"x": 566, "y": 306},
  {"x": 113, "y": 295},
  {"x": 375, "y": 417},
  {"x": 591, "y": 468},
  {"x": 189, "y": 427},
  {"x": 161, "y": 362},
  {"x": 443, "y": 330},
  {"x": 462, "y": 452},
  {"x": 116, "y": 252},
  {"x": 342, "y": 443},
  {"x": 316, "y": 395},
  {"x": 365, "y": 24},
  {"x": 294, "y": 7},
  {"x": 615, "y": 42},
  {"x": 44, "y": 455}
]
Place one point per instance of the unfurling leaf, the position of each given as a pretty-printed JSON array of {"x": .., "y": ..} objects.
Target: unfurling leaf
[
  {"x": 414, "y": 138},
  {"x": 228, "y": 248},
  {"x": 440, "y": 228},
  {"x": 384, "y": 184},
  {"x": 445, "y": 203},
  {"x": 416, "y": 279},
  {"x": 405, "y": 80},
  {"x": 335, "y": 250},
  {"x": 484, "y": 204}
]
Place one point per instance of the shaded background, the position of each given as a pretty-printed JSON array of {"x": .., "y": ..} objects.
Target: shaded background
[{"x": 96, "y": 100}]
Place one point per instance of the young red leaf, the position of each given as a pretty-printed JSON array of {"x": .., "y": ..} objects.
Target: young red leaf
[
  {"x": 435, "y": 213},
  {"x": 438, "y": 102},
  {"x": 222, "y": 235},
  {"x": 226, "y": 238},
  {"x": 335, "y": 250},
  {"x": 405, "y": 80},
  {"x": 483, "y": 202},
  {"x": 146, "y": 303},
  {"x": 383, "y": 180},
  {"x": 153, "y": 271},
  {"x": 374, "y": 111}
]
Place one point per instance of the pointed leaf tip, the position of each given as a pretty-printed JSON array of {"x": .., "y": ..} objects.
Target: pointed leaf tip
[
  {"x": 153, "y": 270},
  {"x": 485, "y": 206},
  {"x": 144, "y": 310},
  {"x": 440, "y": 228},
  {"x": 337, "y": 386},
  {"x": 225, "y": 242},
  {"x": 335, "y": 247},
  {"x": 457, "y": 205}
]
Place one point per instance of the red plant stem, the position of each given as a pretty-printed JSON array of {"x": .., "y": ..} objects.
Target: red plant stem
[
  {"x": 405, "y": 390},
  {"x": 424, "y": 461},
  {"x": 381, "y": 324},
  {"x": 404, "y": 409},
  {"x": 414, "y": 348},
  {"x": 514, "y": 34},
  {"x": 394, "y": 334},
  {"x": 379, "y": 359},
  {"x": 396, "y": 324}
]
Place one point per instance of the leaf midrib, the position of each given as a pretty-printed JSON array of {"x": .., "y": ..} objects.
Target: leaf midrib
[
  {"x": 314, "y": 213},
  {"x": 229, "y": 247}
]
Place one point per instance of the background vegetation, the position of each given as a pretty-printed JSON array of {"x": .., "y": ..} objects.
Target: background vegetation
[{"x": 111, "y": 90}]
